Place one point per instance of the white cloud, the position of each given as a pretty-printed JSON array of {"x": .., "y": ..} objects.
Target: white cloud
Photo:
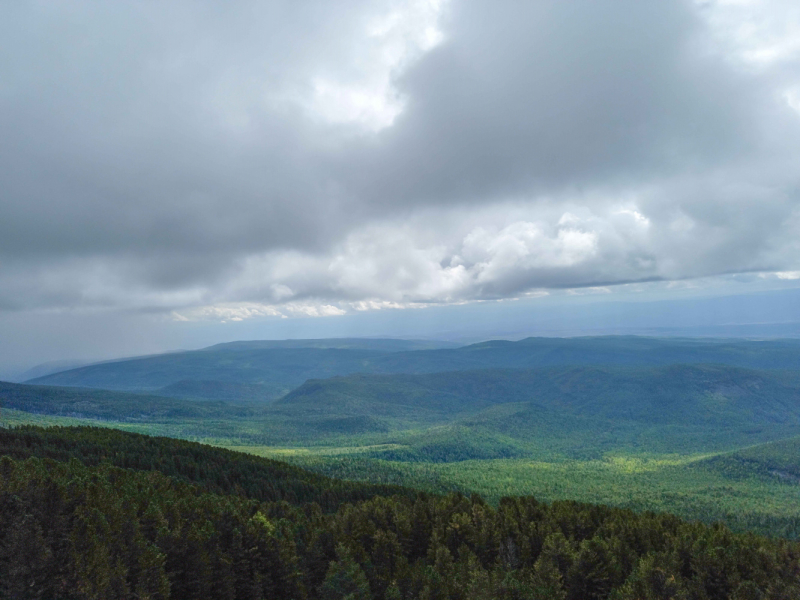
[
  {"x": 373, "y": 105},
  {"x": 366, "y": 95},
  {"x": 524, "y": 246},
  {"x": 235, "y": 312},
  {"x": 638, "y": 217},
  {"x": 759, "y": 32},
  {"x": 792, "y": 97}
]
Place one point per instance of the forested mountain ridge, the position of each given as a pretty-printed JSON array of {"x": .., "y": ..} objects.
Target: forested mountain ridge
[
  {"x": 664, "y": 394},
  {"x": 686, "y": 403},
  {"x": 215, "y": 470},
  {"x": 640, "y": 432},
  {"x": 685, "y": 406},
  {"x": 778, "y": 460},
  {"x": 200, "y": 389},
  {"x": 105, "y": 404},
  {"x": 76, "y": 530},
  {"x": 281, "y": 369},
  {"x": 277, "y": 369}
]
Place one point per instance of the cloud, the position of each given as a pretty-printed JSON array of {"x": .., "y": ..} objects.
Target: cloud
[
  {"x": 278, "y": 158},
  {"x": 368, "y": 97},
  {"x": 788, "y": 275},
  {"x": 242, "y": 311}
]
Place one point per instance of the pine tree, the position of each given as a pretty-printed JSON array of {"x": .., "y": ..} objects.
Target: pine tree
[{"x": 345, "y": 579}]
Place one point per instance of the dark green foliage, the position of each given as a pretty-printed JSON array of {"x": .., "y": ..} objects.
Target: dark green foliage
[
  {"x": 103, "y": 404},
  {"x": 214, "y": 469},
  {"x": 345, "y": 579},
  {"x": 217, "y": 390},
  {"x": 349, "y": 425},
  {"x": 75, "y": 530},
  {"x": 579, "y": 412},
  {"x": 451, "y": 444},
  {"x": 570, "y": 431},
  {"x": 778, "y": 461},
  {"x": 677, "y": 394},
  {"x": 692, "y": 406}
]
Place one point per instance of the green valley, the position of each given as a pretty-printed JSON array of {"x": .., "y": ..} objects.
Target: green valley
[{"x": 705, "y": 441}]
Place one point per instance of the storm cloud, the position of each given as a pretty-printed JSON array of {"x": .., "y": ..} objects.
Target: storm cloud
[{"x": 234, "y": 160}]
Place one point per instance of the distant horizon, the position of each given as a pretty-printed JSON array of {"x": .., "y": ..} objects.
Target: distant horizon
[
  {"x": 787, "y": 330},
  {"x": 176, "y": 176}
]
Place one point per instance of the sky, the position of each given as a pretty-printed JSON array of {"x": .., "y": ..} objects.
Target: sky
[{"x": 177, "y": 174}]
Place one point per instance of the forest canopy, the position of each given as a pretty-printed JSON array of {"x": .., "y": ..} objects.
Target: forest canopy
[{"x": 78, "y": 522}]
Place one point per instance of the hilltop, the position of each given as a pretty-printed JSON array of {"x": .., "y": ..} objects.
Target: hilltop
[{"x": 280, "y": 367}]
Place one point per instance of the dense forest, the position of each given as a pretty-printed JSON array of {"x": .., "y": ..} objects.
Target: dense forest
[
  {"x": 91, "y": 513},
  {"x": 105, "y": 404},
  {"x": 279, "y": 367},
  {"x": 215, "y": 470},
  {"x": 557, "y": 469}
]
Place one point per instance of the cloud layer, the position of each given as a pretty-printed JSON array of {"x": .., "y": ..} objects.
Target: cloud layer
[{"x": 226, "y": 161}]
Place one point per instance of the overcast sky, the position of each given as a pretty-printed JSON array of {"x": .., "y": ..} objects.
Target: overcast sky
[{"x": 199, "y": 162}]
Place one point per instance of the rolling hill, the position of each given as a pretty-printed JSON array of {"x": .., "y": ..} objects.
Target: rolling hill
[
  {"x": 91, "y": 513},
  {"x": 281, "y": 369},
  {"x": 777, "y": 461},
  {"x": 707, "y": 395},
  {"x": 216, "y": 470},
  {"x": 584, "y": 410},
  {"x": 707, "y": 441},
  {"x": 109, "y": 405},
  {"x": 569, "y": 410}
]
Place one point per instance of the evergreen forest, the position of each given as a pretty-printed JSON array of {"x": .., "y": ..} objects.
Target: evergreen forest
[
  {"x": 586, "y": 468},
  {"x": 175, "y": 523}
]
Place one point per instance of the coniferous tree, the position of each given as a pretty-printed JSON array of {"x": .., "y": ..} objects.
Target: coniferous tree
[{"x": 345, "y": 579}]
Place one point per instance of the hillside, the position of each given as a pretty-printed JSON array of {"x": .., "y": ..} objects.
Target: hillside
[
  {"x": 104, "y": 404},
  {"x": 683, "y": 404},
  {"x": 200, "y": 389},
  {"x": 216, "y": 470},
  {"x": 603, "y": 350},
  {"x": 583, "y": 409},
  {"x": 775, "y": 461},
  {"x": 281, "y": 369},
  {"x": 633, "y": 437},
  {"x": 74, "y": 525},
  {"x": 277, "y": 370}
]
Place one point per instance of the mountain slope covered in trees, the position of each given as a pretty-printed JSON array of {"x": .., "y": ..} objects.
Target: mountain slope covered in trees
[
  {"x": 681, "y": 394},
  {"x": 106, "y": 404},
  {"x": 80, "y": 530},
  {"x": 509, "y": 412},
  {"x": 635, "y": 429},
  {"x": 280, "y": 369},
  {"x": 216, "y": 470}
]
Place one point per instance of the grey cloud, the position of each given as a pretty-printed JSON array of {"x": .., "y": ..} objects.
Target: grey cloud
[
  {"x": 147, "y": 126},
  {"x": 169, "y": 156},
  {"x": 528, "y": 97}
]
